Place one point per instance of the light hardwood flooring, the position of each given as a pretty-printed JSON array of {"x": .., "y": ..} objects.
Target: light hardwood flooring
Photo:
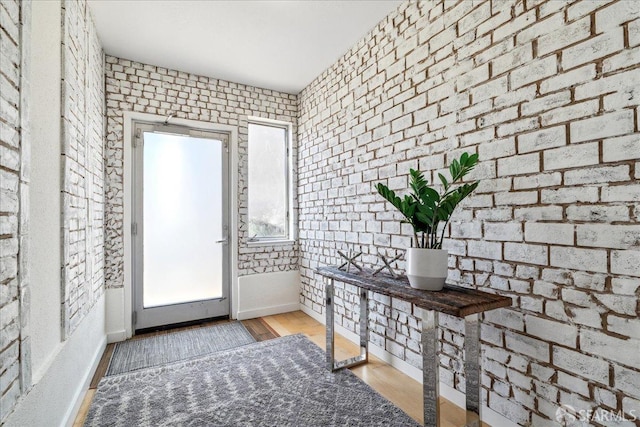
[
  {"x": 402, "y": 390},
  {"x": 397, "y": 387}
]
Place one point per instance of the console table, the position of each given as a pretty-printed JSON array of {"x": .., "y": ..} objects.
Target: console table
[{"x": 454, "y": 300}]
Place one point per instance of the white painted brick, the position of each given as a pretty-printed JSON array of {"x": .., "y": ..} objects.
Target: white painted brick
[
  {"x": 540, "y": 27},
  {"x": 597, "y": 175},
  {"x": 503, "y": 231},
  {"x": 573, "y": 383},
  {"x": 517, "y": 127},
  {"x": 622, "y": 304},
  {"x": 482, "y": 249},
  {"x": 577, "y": 297},
  {"x": 515, "y": 198},
  {"x": 611, "y": 17},
  {"x": 537, "y": 181},
  {"x": 536, "y": 349},
  {"x": 626, "y": 58},
  {"x": 582, "y": 365},
  {"x": 564, "y": 36},
  {"x": 629, "y": 327},
  {"x": 621, "y": 148},
  {"x": 489, "y": 89},
  {"x": 608, "y": 236},
  {"x": 570, "y": 113},
  {"x": 472, "y": 78},
  {"x": 586, "y": 316},
  {"x": 626, "y": 262},
  {"x": 580, "y": 9},
  {"x": 545, "y": 103},
  {"x": 590, "y": 281},
  {"x": 579, "y": 259},
  {"x": 630, "y": 406},
  {"x": 607, "y": 84},
  {"x": 533, "y": 71},
  {"x": 557, "y": 309},
  {"x": 612, "y": 124},
  {"x": 571, "y": 156},
  {"x": 544, "y": 213},
  {"x": 624, "y": 286},
  {"x": 597, "y": 213},
  {"x": 512, "y": 59},
  {"x": 592, "y": 49},
  {"x": 539, "y": 232},
  {"x": 519, "y": 165},
  {"x": 569, "y": 78},
  {"x": 624, "y": 351},
  {"x": 634, "y": 33},
  {"x": 469, "y": 230},
  {"x": 551, "y": 330},
  {"x": 515, "y": 25},
  {"x": 570, "y": 195},
  {"x": 542, "y": 139},
  {"x": 621, "y": 193},
  {"x": 522, "y": 252}
]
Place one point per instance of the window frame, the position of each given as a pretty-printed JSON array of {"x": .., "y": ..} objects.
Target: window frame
[{"x": 289, "y": 235}]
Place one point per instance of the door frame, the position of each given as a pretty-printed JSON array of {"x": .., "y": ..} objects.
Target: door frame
[
  {"x": 148, "y": 317},
  {"x": 127, "y": 308}
]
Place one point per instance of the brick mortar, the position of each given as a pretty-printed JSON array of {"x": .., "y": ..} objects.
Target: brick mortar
[{"x": 549, "y": 105}]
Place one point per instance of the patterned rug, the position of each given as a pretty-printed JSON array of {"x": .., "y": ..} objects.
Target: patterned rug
[
  {"x": 129, "y": 356},
  {"x": 281, "y": 382}
]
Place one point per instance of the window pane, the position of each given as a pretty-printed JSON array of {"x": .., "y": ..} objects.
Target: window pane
[
  {"x": 267, "y": 181},
  {"x": 182, "y": 219}
]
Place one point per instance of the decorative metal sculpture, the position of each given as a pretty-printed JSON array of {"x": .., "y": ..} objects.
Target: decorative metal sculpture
[
  {"x": 387, "y": 265},
  {"x": 350, "y": 260}
]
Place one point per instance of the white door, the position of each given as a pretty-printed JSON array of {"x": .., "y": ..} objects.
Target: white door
[{"x": 181, "y": 251}]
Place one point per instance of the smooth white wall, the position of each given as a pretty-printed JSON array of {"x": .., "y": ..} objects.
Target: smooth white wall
[
  {"x": 56, "y": 398},
  {"x": 44, "y": 207},
  {"x": 268, "y": 293}
]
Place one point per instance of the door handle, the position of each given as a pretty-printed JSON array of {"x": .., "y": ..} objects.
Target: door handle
[{"x": 225, "y": 239}]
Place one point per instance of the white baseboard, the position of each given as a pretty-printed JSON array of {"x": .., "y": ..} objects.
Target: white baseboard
[
  {"x": 489, "y": 416},
  {"x": 72, "y": 412},
  {"x": 115, "y": 315},
  {"x": 116, "y": 336},
  {"x": 265, "y": 294},
  {"x": 268, "y": 311}
]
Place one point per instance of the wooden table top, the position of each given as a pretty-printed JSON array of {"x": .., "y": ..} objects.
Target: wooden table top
[{"x": 453, "y": 300}]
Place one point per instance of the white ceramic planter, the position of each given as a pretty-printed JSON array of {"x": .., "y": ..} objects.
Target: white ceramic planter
[{"x": 427, "y": 268}]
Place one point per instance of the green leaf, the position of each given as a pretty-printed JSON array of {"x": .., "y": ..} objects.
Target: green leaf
[{"x": 444, "y": 181}]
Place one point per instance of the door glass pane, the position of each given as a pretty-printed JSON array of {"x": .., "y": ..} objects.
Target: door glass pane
[
  {"x": 182, "y": 211},
  {"x": 267, "y": 182}
]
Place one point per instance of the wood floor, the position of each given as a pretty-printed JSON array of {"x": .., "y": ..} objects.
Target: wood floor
[{"x": 397, "y": 387}]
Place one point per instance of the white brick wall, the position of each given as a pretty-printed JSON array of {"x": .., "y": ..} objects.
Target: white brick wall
[
  {"x": 546, "y": 93},
  {"x": 15, "y": 344},
  {"x": 83, "y": 164},
  {"x": 132, "y": 86}
]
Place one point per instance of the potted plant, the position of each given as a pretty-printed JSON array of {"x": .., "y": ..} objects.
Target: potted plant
[{"x": 429, "y": 212}]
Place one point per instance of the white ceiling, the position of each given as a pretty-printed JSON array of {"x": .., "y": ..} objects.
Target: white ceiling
[{"x": 281, "y": 45}]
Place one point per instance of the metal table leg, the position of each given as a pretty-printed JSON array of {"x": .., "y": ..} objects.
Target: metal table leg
[
  {"x": 430, "y": 368},
  {"x": 332, "y": 364},
  {"x": 328, "y": 295},
  {"x": 472, "y": 369}
]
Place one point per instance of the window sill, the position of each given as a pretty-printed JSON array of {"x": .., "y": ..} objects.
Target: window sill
[{"x": 282, "y": 242}]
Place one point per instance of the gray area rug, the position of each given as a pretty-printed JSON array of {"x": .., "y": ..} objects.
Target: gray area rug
[
  {"x": 157, "y": 350},
  {"x": 281, "y": 382}
]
